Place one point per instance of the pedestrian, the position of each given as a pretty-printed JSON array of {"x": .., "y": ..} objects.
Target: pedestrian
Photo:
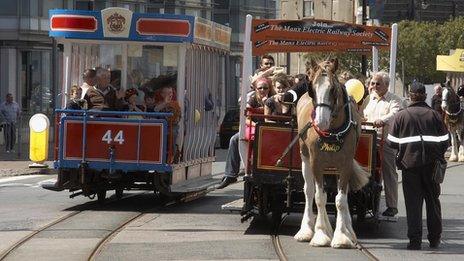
[
  {"x": 382, "y": 106},
  {"x": 10, "y": 112},
  {"x": 420, "y": 135},
  {"x": 436, "y": 99}
]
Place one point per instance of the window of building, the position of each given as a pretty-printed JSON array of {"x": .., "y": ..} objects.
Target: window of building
[
  {"x": 8, "y": 8},
  {"x": 308, "y": 8},
  {"x": 84, "y": 5}
]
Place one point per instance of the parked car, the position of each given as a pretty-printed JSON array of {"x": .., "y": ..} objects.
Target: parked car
[{"x": 229, "y": 127}]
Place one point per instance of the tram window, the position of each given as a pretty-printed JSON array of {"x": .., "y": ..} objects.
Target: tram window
[{"x": 147, "y": 62}]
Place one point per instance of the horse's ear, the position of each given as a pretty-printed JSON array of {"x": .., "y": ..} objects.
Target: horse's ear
[
  {"x": 312, "y": 64},
  {"x": 335, "y": 65}
]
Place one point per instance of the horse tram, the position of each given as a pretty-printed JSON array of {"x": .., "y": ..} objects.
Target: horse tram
[
  {"x": 100, "y": 150},
  {"x": 275, "y": 182}
]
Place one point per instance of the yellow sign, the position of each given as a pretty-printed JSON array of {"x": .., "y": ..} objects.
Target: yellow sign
[{"x": 451, "y": 63}]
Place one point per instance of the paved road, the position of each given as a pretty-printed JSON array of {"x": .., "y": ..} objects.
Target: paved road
[{"x": 198, "y": 229}]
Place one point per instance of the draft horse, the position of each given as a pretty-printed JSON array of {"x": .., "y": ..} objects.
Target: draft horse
[
  {"x": 329, "y": 145},
  {"x": 454, "y": 120}
]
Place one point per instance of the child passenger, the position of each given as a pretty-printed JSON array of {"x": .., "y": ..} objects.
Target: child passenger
[{"x": 75, "y": 102}]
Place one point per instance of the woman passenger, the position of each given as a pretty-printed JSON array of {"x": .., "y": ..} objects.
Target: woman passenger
[{"x": 272, "y": 106}]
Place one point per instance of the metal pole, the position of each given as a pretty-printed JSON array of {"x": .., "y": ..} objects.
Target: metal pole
[
  {"x": 394, "y": 40},
  {"x": 245, "y": 85},
  {"x": 364, "y": 18}
]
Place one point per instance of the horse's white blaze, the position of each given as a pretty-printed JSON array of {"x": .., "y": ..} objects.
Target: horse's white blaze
[
  {"x": 444, "y": 95},
  {"x": 322, "y": 117},
  {"x": 344, "y": 236},
  {"x": 306, "y": 231},
  {"x": 323, "y": 230}
]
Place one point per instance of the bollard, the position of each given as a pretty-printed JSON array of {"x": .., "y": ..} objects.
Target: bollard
[{"x": 38, "y": 143}]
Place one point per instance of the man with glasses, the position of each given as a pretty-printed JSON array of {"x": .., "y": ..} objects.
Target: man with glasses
[{"x": 380, "y": 110}]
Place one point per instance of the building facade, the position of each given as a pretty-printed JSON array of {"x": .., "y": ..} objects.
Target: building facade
[
  {"x": 27, "y": 56},
  {"x": 339, "y": 10},
  {"x": 233, "y": 14}
]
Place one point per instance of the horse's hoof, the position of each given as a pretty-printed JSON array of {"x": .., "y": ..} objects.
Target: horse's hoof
[
  {"x": 320, "y": 239},
  {"x": 304, "y": 235},
  {"x": 461, "y": 159},
  {"x": 453, "y": 158},
  {"x": 342, "y": 241}
]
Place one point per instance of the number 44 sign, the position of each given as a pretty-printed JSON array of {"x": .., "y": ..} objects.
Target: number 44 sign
[{"x": 108, "y": 138}]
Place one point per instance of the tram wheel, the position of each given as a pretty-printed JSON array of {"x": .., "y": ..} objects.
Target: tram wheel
[{"x": 101, "y": 196}]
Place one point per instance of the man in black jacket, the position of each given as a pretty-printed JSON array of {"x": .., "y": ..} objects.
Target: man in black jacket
[{"x": 419, "y": 134}]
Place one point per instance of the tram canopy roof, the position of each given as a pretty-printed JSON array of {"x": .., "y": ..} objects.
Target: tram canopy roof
[
  {"x": 120, "y": 24},
  {"x": 311, "y": 35}
]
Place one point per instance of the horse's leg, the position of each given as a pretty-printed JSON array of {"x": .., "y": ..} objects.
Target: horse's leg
[
  {"x": 323, "y": 230},
  {"x": 460, "y": 141},
  {"x": 454, "y": 147},
  {"x": 306, "y": 231},
  {"x": 344, "y": 236}
]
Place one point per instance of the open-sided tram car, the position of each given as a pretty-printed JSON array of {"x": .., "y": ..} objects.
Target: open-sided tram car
[
  {"x": 278, "y": 188},
  {"x": 97, "y": 151}
]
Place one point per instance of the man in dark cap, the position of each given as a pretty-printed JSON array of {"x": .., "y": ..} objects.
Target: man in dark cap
[{"x": 419, "y": 134}]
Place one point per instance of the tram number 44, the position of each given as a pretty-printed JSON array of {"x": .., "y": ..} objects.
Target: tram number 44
[{"x": 108, "y": 137}]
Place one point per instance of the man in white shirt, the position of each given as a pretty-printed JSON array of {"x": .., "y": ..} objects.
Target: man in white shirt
[
  {"x": 90, "y": 79},
  {"x": 380, "y": 110}
]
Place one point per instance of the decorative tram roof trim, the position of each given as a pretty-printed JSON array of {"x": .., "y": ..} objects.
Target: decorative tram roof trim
[
  {"x": 119, "y": 24},
  {"x": 76, "y": 23},
  {"x": 212, "y": 34},
  {"x": 161, "y": 26}
]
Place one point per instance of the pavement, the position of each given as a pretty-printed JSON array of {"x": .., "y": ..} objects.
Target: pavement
[{"x": 17, "y": 163}]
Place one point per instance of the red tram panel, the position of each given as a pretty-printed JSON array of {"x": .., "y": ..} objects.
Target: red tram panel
[
  {"x": 123, "y": 136},
  {"x": 271, "y": 141}
]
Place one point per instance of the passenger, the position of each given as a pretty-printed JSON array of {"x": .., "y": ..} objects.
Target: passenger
[
  {"x": 75, "y": 102},
  {"x": 103, "y": 96},
  {"x": 167, "y": 104},
  {"x": 150, "y": 102},
  {"x": 436, "y": 99},
  {"x": 272, "y": 106},
  {"x": 255, "y": 101},
  {"x": 89, "y": 77},
  {"x": 301, "y": 77},
  {"x": 131, "y": 99},
  {"x": 136, "y": 79},
  {"x": 380, "y": 110}
]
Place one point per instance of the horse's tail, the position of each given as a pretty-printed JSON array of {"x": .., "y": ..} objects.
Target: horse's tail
[{"x": 359, "y": 178}]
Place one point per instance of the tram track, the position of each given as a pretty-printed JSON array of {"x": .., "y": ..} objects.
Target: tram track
[
  {"x": 277, "y": 244},
  {"x": 280, "y": 252},
  {"x": 5, "y": 254}
]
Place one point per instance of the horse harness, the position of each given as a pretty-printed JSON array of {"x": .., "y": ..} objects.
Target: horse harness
[{"x": 332, "y": 140}]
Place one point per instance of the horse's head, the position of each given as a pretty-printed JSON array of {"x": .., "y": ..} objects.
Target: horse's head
[
  {"x": 324, "y": 87},
  {"x": 450, "y": 102}
]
